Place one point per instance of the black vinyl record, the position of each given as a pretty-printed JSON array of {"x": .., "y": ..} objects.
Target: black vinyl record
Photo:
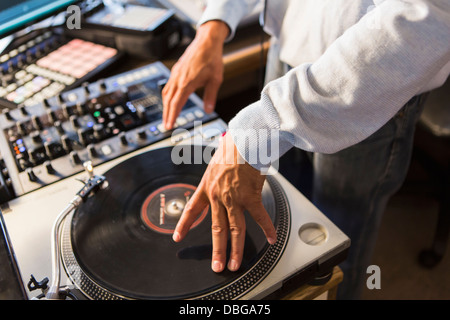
[{"x": 118, "y": 244}]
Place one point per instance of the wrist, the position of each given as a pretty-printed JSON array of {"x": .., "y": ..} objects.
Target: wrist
[{"x": 214, "y": 30}]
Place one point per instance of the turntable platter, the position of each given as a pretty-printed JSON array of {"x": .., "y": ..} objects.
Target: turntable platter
[{"x": 118, "y": 244}]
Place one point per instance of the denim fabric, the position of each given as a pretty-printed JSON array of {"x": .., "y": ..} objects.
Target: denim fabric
[{"x": 353, "y": 186}]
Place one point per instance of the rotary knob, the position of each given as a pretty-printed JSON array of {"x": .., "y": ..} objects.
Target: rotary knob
[
  {"x": 49, "y": 167},
  {"x": 66, "y": 143},
  {"x": 141, "y": 134},
  {"x": 74, "y": 122},
  {"x": 31, "y": 175},
  {"x": 99, "y": 131},
  {"x": 92, "y": 151},
  {"x": 75, "y": 157},
  {"x": 52, "y": 117},
  {"x": 36, "y": 136},
  {"x": 123, "y": 139},
  {"x": 37, "y": 123}
]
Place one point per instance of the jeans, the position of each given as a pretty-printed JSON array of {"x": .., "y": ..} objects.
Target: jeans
[{"x": 352, "y": 187}]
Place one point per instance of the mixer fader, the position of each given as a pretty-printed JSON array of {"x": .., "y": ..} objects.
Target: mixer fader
[{"x": 98, "y": 121}]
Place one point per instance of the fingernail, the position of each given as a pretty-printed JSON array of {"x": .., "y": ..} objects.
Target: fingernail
[
  {"x": 217, "y": 266},
  {"x": 272, "y": 240},
  {"x": 233, "y": 265},
  {"x": 176, "y": 236},
  {"x": 209, "y": 108}
]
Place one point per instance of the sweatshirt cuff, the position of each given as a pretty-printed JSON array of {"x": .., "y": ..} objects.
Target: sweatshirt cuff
[
  {"x": 230, "y": 12},
  {"x": 256, "y": 133}
]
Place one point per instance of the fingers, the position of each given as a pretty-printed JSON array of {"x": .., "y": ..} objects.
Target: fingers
[
  {"x": 224, "y": 221},
  {"x": 210, "y": 95},
  {"x": 165, "y": 94},
  {"x": 260, "y": 215},
  {"x": 237, "y": 229},
  {"x": 192, "y": 210},
  {"x": 174, "y": 99},
  {"x": 219, "y": 229}
]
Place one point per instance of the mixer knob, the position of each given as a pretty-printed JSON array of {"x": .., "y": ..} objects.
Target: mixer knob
[
  {"x": 8, "y": 115},
  {"x": 99, "y": 131},
  {"x": 31, "y": 175},
  {"x": 45, "y": 103},
  {"x": 23, "y": 110},
  {"x": 36, "y": 136},
  {"x": 37, "y": 123},
  {"x": 123, "y": 139},
  {"x": 52, "y": 116},
  {"x": 10, "y": 66},
  {"x": 141, "y": 134},
  {"x": 92, "y": 151},
  {"x": 21, "y": 60},
  {"x": 83, "y": 136},
  {"x": 22, "y": 162},
  {"x": 21, "y": 127},
  {"x": 102, "y": 86},
  {"x": 29, "y": 56},
  {"x": 82, "y": 109},
  {"x": 67, "y": 110},
  {"x": 49, "y": 167},
  {"x": 32, "y": 156},
  {"x": 161, "y": 84},
  {"x": 51, "y": 149},
  {"x": 59, "y": 127},
  {"x": 60, "y": 99},
  {"x": 86, "y": 89},
  {"x": 111, "y": 128},
  {"x": 141, "y": 112},
  {"x": 75, "y": 157},
  {"x": 38, "y": 52},
  {"x": 66, "y": 142},
  {"x": 74, "y": 121}
]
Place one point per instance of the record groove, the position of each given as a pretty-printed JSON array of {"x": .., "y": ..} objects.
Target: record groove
[{"x": 109, "y": 250}]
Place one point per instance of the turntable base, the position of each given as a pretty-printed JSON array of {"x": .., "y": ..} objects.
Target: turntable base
[
  {"x": 29, "y": 219},
  {"x": 326, "y": 291}
]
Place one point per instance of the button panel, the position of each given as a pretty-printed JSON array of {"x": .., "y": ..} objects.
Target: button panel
[{"x": 98, "y": 121}]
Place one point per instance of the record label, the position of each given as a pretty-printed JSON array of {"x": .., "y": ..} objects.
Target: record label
[{"x": 163, "y": 208}]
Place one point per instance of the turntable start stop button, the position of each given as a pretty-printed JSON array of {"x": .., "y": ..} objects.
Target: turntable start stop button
[{"x": 313, "y": 234}]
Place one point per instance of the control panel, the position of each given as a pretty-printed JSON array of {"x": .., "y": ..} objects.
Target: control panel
[
  {"x": 100, "y": 121},
  {"x": 48, "y": 63}
]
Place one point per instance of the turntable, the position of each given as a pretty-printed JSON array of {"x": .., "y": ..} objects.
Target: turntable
[{"x": 117, "y": 243}]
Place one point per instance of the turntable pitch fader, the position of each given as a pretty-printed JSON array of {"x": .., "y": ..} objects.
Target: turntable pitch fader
[{"x": 114, "y": 123}]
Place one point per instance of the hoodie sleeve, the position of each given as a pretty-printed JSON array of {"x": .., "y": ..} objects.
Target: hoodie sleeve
[{"x": 359, "y": 83}]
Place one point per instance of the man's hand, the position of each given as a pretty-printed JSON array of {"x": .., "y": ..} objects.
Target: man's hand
[
  {"x": 201, "y": 65},
  {"x": 230, "y": 186}
]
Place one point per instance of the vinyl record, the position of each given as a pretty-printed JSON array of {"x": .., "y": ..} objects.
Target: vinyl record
[{"x": 118, "y": 244}]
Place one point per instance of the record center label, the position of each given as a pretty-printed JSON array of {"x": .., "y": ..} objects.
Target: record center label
[{"x": 162, "y": 209}]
